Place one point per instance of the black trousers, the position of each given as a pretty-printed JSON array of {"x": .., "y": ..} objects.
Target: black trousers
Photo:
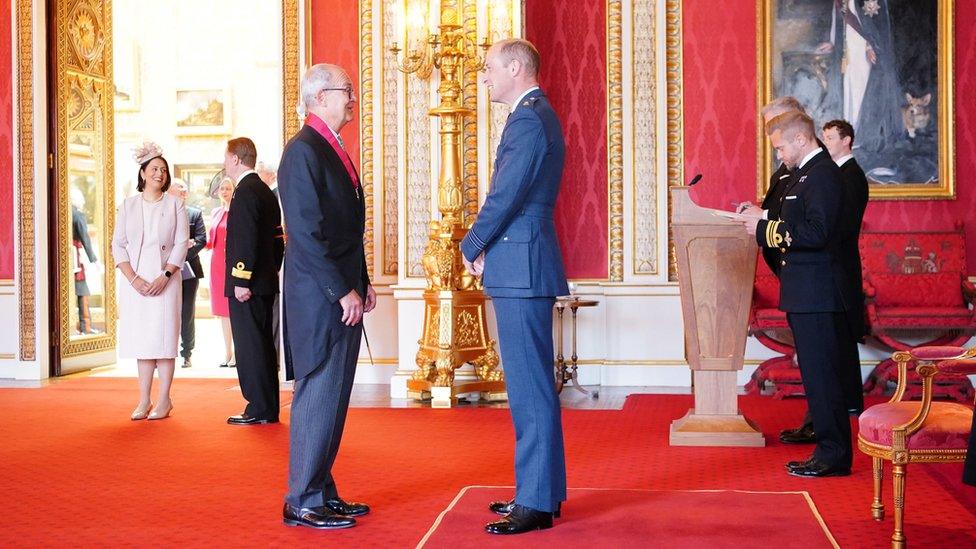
[
  {"x": 820, "y": 348},
  {"x": 257, "y": 361},
  {"x": 318, "y": 416},
  {"x": 276, "y": 324},
  {"x": 969, "y": 469},
  {"x": 851, "y": 382},
  {"x": 188, "y": 330}
]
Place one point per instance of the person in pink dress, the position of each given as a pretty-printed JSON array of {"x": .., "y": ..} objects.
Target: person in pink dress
[{"x": 217, "y": 242}]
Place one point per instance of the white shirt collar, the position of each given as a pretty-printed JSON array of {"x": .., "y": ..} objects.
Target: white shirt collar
[
  {"x": 521, "y": 97},
  {"x": 245, "y": 174},
  {"x": 843, "y": 160},
  {"x": 809, "y": 155}
]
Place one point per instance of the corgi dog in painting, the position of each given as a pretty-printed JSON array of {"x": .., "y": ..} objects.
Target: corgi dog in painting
[{"x": 916, "y": 114}]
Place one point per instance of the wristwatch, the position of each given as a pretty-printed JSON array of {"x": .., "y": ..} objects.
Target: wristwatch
[{"x": 167, "y": 273}]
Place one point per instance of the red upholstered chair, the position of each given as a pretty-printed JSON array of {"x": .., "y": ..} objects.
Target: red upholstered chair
[
  {"x": 915, "y": 285},
  {"x": 904, "y": 432},
  {"x": 768, "y": 324}
]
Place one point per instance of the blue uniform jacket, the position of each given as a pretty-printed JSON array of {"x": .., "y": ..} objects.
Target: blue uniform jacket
[{"x": 515, "y": 228}]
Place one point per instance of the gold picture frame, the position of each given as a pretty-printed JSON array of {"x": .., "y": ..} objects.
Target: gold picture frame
[{"x": 913, "y": 160}]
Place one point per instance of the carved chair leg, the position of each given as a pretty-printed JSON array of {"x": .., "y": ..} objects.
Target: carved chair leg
[
  {"x": 877, "y": 507},
  {"x": 898, "y": 536}
]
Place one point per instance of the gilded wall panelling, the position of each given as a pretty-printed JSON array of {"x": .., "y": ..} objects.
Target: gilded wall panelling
[
  {"x": 469, "y": 135},
  {"x": 291, "y": 64},
  {"x": 615, "y": 145},
  {"x": 366, "y": 108},
  {"x": 644, "y": 141},
  {"x": 389, "y": 140},
  {"x": 417, "y": 99},
  {"x": 675, "y": 114},
  {"x": 25, "y": 207}
]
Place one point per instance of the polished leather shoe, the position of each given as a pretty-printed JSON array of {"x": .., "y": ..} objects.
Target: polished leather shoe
[
  {"x": 349, "y": 509},
  {"x": 245, "y": 419},
  {"x": 819, "y": 469},
  {"x": 522, "y": 519},
  {"x": 790, "y": 465},
  {"x": 319, "y": 518},
  {"x": 802, "y": 435},
  {"x": 505, "y": 507}
]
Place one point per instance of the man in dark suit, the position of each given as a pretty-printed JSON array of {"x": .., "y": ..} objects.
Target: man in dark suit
[
  {"x": 326, "y": 281},
  {"x": 269, "y": 174},
  {"x": 254, "y": 252},
  {"x": 771, "y": 205},
  {"x": 838, "y": 137},
  {"x": 772, "y": 201},
  {"x": 191, "y": 271},
  {"x": 812, "y": 279},
  {"x": 513, "y": 243}
]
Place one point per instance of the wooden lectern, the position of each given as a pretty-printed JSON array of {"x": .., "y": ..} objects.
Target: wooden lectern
[{"x": 716, "y": 264}]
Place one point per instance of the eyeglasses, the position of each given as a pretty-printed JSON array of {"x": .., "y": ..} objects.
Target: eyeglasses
[{"x": 347, "y": 89}]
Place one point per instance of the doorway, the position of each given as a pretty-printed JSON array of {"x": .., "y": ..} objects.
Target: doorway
[{"x": 185, "y": 75}]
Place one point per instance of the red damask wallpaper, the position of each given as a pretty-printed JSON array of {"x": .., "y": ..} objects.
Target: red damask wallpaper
[
  {"x": 719, "y": 49},
  {"x": 335, "y": 40},
  {"x": 6, "y": 146},
  {"x": 571, "y": 38}
]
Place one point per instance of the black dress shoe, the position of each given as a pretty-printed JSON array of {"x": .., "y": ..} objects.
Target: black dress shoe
[
  {"x": 319, "y": 518},
  {"x": 522, "y": 519},
  {"x": 819, "y": 469},
  {"x": 245, "y": 419},
  {"x": 349, "y": 509},
  {"x": 803, "y": 435},
  {"x": 790, "y": 465},
  {"x": 505, "y": 507}
]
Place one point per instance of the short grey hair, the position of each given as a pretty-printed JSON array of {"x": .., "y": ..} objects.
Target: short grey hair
[
  {"x": 317, "y": 77},
  {"x": 266, "y": 166},
  {"x": 521, "y": 50},
  {"x": 781, "y": 105}
]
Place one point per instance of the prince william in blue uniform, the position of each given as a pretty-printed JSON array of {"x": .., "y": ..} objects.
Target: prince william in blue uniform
[{"x": 513, "y": 246}]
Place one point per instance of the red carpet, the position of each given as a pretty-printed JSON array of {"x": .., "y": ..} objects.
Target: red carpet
[
  {"x": 616, "y": 518},
  {"x": 75, "y": 471}
]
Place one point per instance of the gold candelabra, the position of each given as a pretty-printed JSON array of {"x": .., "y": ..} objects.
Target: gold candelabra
[{"x": 455, "y": 328}]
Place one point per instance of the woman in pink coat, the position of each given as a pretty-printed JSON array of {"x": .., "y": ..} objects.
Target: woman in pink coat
[
  {"x": 149, "y": 245},
  {"x": 217, "y": 242}
]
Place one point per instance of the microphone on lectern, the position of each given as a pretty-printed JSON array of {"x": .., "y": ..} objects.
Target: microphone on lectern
[{"x": 695, "y": 179}]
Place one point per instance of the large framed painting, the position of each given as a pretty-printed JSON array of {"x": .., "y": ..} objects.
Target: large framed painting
[{"x": 885, "y": 66}]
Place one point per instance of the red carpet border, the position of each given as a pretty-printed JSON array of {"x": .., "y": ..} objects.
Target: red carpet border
[{"x": 700, "y": 519}]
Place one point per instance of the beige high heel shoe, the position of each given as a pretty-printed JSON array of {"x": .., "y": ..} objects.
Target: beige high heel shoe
[
  {"x": 140, "y": 412},
  {"x": 161, "y": 414}
]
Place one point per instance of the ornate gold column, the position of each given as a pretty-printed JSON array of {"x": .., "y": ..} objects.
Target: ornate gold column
[{"x": 455, "y": 329}]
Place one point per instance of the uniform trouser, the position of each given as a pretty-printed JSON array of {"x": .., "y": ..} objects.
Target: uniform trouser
[
  {"x": 852, "y": 384},
  {"x": 257, "y": 362},
  {"x": 820, "y": 348},
  {"x": 276, "y": 324},
  {"x": 318, "y": 415},
  {"x": 187, "y": 325},
  {"x": 525, "y": 341},
  {"x": 969, "y": 469}
]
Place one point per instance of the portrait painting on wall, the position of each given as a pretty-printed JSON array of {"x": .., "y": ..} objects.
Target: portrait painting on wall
[
  {"x": 202, "y": 112},
  {"x": 882, "y": 65}
]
